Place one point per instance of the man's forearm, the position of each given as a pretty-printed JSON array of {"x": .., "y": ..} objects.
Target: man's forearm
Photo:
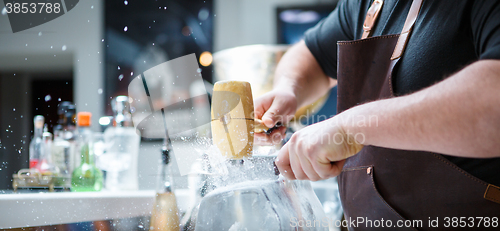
[
  {"x": 459, "y": 116},
  {"x": 299, "y": 72}
]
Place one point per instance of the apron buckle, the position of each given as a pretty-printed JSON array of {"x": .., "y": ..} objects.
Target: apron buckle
[{"x": 492, "y": 193}]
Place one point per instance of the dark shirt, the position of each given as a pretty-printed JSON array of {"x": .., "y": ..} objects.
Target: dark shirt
[{"x": 447, "y": 36}]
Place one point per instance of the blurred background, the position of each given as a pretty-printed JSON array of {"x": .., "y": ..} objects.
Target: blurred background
[{"x": 90, "y": 54}]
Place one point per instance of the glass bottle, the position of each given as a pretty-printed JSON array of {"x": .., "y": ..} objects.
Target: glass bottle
[
  {"x": 61, "y": 152},
  {"x": 64, "y": 153},
  {"x": 86, "y": 177},
  {"x": 121, "y": 142},
  {"x": 45, "y": 164},
  {"x": 165, "y": 215},
  {"x": 36, "y": 144}
]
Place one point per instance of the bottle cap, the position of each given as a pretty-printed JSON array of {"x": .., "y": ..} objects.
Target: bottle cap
[
  {"x": 46, "y": 134},
  {"x": 165, "y": 151},
  {"x": 83, "y": 119},
  {"x": 39, "y": 121},
  {"x": 120, "y": 103},
  {"x": 71, "y": 117},
  {"x": 64, "y": 106},
  {"x": 120, "y": 106}
]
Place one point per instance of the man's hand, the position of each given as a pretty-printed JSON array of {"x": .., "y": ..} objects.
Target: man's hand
[
  {"x": 299, "y": 81},
  {"x": 277, "y": 106},
  {"x": 317, "y": 152}
]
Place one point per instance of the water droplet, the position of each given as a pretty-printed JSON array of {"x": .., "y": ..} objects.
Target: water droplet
[
  {"x": 118, "y": 67},
  {"x": 13, "y": 109},
  {"x": 99, "y": 91},
  {"x": 199, "y": 70},
  {"x": 125, "y": 28},
  {"x": 47, "y": 98},
  {"x": 64, "y": 47},
  {"x": 4, "y": 11},
  {"x": 165, "y": 8},
  {"x": 120, "y": 77},
  {"x": 131, "y": 73},
  {"x": 102, "y": 40},
  {"x": 26, "y": 44},
  {"x": 51, "y": 47},
  {"x": 59, "y": 99},
  {"x": 125, "y": 2},
  {"x": 203, "y": 14},
  {"x": 92, "y": 7},
  {"x": 40, "y": 33}
]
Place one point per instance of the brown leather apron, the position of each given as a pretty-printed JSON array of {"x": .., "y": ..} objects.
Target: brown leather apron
[{"x": 389, "y": 186}]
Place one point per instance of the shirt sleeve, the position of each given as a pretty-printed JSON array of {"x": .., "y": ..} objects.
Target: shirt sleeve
[
  {"x": 485, "y": 23},
  {"x": 322, "y": 38}
]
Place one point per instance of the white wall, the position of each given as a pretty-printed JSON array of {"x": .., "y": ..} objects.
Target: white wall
[
  {"x": 81, "y": 31},
  {"x": 245, "y": 22},
  {"x": 28, "y": 54}
]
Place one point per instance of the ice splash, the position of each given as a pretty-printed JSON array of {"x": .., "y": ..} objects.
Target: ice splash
[
  {"x": 221, "y": 172},
  {"x": 249, "y": 194}
]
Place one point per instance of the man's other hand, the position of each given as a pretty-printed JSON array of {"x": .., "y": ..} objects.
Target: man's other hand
[{"x": 317, "y": 152}]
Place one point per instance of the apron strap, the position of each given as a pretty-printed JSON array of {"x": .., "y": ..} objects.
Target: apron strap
[
  {"x": 371, "y": 18},
  {"x": 405, "y": 33}
]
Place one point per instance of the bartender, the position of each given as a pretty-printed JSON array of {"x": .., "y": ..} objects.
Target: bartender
[{"x": 417, "y": 137}]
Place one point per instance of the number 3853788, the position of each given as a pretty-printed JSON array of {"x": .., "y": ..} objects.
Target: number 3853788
[{"x": 32, "y": 8}]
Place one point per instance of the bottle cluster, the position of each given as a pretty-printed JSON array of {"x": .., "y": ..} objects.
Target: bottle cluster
[{"x": 76, "y": 153}]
